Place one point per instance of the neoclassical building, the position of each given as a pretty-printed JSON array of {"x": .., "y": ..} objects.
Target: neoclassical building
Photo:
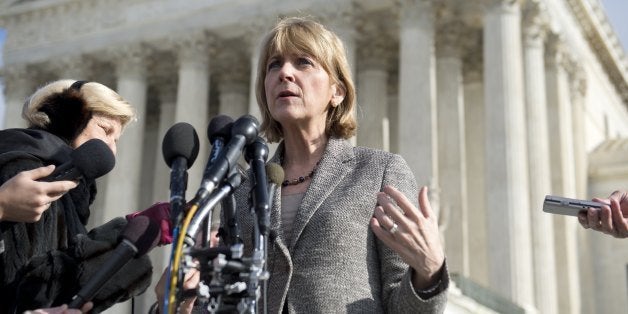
[{"x": 493, "y": 103}]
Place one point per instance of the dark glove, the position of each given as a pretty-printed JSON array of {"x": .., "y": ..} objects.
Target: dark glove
[
  {"x": 159, "y": 213},
  {"x": 94, "y": 250}
]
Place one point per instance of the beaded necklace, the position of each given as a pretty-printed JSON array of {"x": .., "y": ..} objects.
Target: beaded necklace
[{"x": 301, "y": 179}]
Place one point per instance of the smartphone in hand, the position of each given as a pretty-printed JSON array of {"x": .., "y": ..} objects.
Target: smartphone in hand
[{"x": 567, "y": 206}]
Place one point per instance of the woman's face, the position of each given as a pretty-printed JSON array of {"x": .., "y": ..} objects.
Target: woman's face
[
  {"x": 298, "y": 90},
  {"x": 103, "y": 128}
]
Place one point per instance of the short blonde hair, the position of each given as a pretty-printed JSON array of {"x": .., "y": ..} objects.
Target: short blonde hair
[
  {"x": 302, "y": 35},
  {"x": 93, "y": 99}
]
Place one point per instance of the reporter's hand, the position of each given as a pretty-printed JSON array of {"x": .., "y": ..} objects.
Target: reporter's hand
[
  {"x": 62, "y": 310},
  {"x": 191, "y": 280},
  {"x": 609, "y": 219},
  {"x": 23, "y": 199},
  {"x": 415, "y": 238}
]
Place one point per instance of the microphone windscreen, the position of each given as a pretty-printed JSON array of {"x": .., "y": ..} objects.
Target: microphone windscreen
[
  {"x": 181, "y": 140},
  {"x": 247, "y": 126},
  {"x": 219, "y": 126},
  {"x": 275, "y": 173},
  {"x": 93, "y": 159},
  {"x": 143, "y": 232}
]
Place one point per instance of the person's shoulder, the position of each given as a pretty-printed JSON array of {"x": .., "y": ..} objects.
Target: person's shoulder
[{"x": 368, "y": 153}]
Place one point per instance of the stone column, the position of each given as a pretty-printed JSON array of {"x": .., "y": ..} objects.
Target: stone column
[
  {"x": 167, "y": 95},
  {"x": 451, "y": 145},
  {"x": 510, "y": 258},
  {"x": 538, "y": 158},
  {"x": 562, "y": 174},
  {"x": 417, "y": 131},
  {"x": 256, "y": 31},
  {"x": 18, "y": 87},
  {"x": 372, "y": 86},
  {"x": 192, "y": 105},
  {"x": 72, "y": 67},
  {"x": 339, "y": 18},
  {"x": 123, "y": 182},
  {"x": 475, "y": 147},
  {"x": 578, "y": 92},
  {"x": 122, "y": 190},
  {"x": 233, "y": 87}
]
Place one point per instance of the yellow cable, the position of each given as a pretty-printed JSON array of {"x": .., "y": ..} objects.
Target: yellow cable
[{"x": 177, "y": 258}]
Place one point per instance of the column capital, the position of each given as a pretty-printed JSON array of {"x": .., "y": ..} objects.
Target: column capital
[
  {"x": 375, "y": 52},
  {"x": 130, "y": 59},
  {"x": 449, "y": 38},
  {"x": 17, "y": 77},
  {"x": 535, "y": 22},
  {"x": 71, "y": 67},
  {"x": 413, "y": 11}
]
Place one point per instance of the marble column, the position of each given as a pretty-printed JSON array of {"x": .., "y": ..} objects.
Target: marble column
[
  {"x": 192, "y": 104},
  {"x": 340, "y": 18},
  {"x": 563, "y": 173},
  {"x": 123, "y": 182},
  {"x": 18, "y": 87},
  {"x": 372, "y": 83},
  {"x": 167, "y": 98},
  {"x": 451, "y": 145},
  {"x": 475, "y": 147},
  {"x": 578, "y": 92},
  {"x": 534, "y": 29},
  {"x": 417, "y": 130},
  {"x": 233, "y": 87},
  {"x": 122, "y": 191},
  {"x": 255, "y": 34},
  {"x": 509, "y": 240}
]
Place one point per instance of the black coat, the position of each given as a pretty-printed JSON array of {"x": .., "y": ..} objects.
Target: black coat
[{"x": 43, "y": 264}]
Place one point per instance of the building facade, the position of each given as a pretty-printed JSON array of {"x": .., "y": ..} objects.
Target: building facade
[{"x": 493, "y": 103}]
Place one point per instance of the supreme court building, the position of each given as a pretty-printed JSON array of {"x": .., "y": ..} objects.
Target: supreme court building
[{"x": 493, "y": 104}]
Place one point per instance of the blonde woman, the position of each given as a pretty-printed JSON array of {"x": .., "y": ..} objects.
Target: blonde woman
[{"x": 44, "y": 261}]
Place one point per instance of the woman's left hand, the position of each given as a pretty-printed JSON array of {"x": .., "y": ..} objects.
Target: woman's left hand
[{"x": 411, "y": 232}]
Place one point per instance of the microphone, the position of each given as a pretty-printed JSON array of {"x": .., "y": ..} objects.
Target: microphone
[
  {"x": 91, "y": 160},
  {"x": 256, "y": 155},
  {"x": 275, "y": 175},
  {"x": 139, "y": 236},
  {"x": 218, "y": 132},
  {"x": 180, "y": 149},
  {"x": 243, "y": 132}
]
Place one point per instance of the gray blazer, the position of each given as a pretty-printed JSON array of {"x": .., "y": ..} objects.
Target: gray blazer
[{"x": 334, "y": 263}]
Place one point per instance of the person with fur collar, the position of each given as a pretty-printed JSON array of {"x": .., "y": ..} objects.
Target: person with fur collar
[{"x": 44, "y": 262}]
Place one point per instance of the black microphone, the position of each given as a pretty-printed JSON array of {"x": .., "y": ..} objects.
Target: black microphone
[
  {"x": 139, "y": 236},
  {"x": 218, "y": 133},
  {"x": 256, "y": 155},
  {"x": 91, "y": 160},
  {"x": 243, "y": 132},
  {"x": 180, "y": 149}
]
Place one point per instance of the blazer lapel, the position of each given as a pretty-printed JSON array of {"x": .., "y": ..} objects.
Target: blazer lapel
[{"x": 336, "y": 163}]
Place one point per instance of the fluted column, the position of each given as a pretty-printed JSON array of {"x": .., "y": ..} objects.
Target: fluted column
[
  {"x": 372, "y": 86},
  {"x": 122, "y": 190},
  {"x": 417, "y": 131},
  {"x": 18, "y": 87},
  {"x": 538, "y": 157},
  {"x": 475, "y": 147},
  {"x": 192, "y": 104},
  {"x": 451, "y": 145},
  {"x": 340, "y": 18},
  {"x": 167, "y": 106},
  {"x": 563, "y": 173},
  {"x": 510, "y": 257},
  {"x": 255, "y": 34},
  {"x": 233, "y": 87}
]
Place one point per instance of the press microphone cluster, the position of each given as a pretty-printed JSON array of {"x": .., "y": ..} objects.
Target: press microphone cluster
[
  {"x": 92, "y": 160},
  {"x": 243, "y": 132}
]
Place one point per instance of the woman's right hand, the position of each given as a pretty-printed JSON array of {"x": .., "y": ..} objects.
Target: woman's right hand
[{"x": 24, "y": 199}]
